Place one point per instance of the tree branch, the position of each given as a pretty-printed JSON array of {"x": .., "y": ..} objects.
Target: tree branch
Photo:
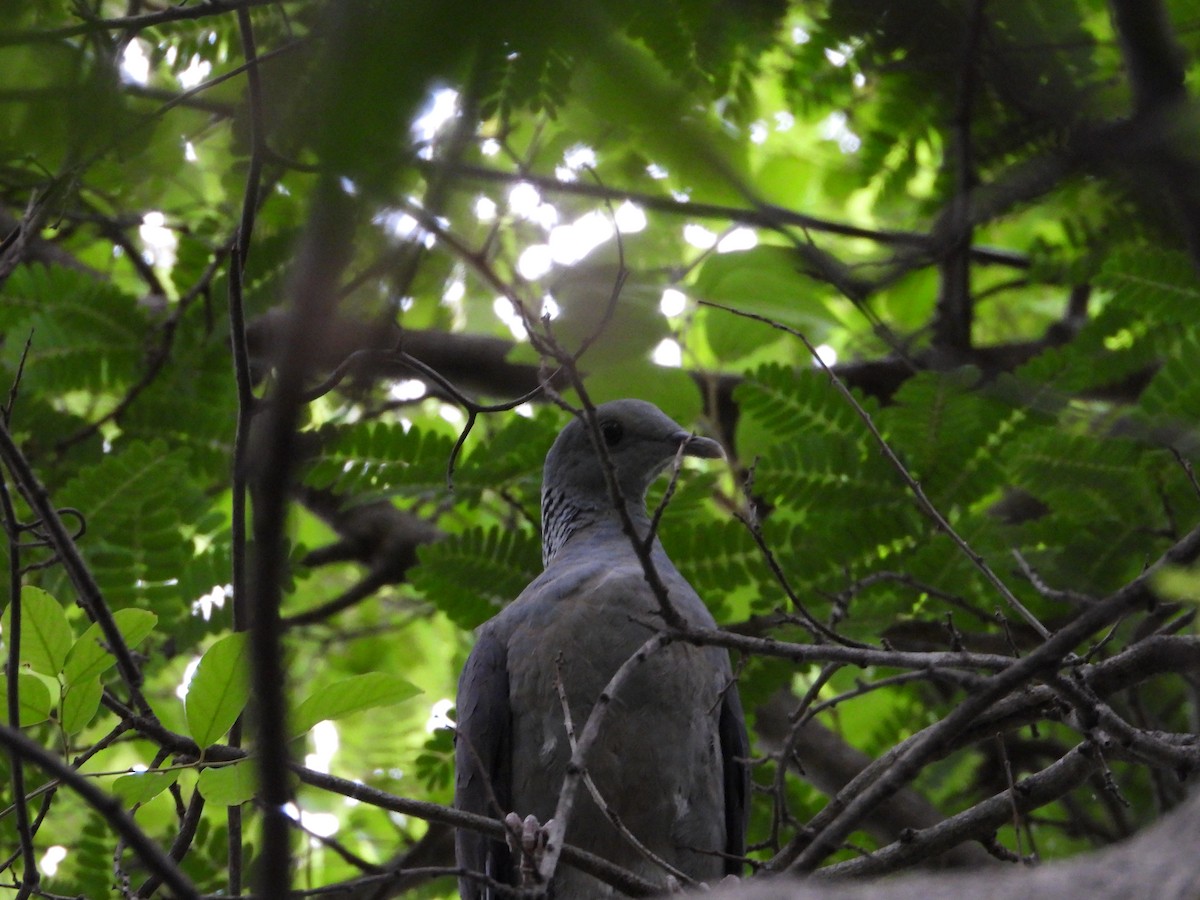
[{"x": 111, "y": 808}]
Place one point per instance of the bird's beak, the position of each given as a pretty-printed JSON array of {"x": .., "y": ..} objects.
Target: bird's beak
[{"x": 707, "y": 448}]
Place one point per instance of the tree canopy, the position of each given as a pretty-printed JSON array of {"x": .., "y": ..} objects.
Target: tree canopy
[{"x": 294, "y": 296}]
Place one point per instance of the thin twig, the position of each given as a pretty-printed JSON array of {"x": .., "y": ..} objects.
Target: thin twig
[
  {"x": 111, "y": 808},
  {"x": 914, "y": 486},
  {"x": 129, "y": 24},
  {"x": 472, "y": 408},
  {"x": 661, "y": 507},
  {"x": 1073, "y": 597},
  {"x": 763, "y": 215},
  {"x": 87, "y": 591},
  {"x": 779, "y": 811},
  {"x": 7, "y": 411},
  {"x": 598, "y": 867},
  {"x": 30, "y": 875},
  {"x": 182, "y": 843},
  {"x": 1058, "y": 647},
  {"x": 246, "y": 404},
  {"x": 544, "y": 342},
  {"x": 916, "y": 584},
  {"x": 628, "y": 836},
  {"x": 578, "y": 763},
  {"x": 1012, "y": 792},
  {"x": 814, "y": 627}
]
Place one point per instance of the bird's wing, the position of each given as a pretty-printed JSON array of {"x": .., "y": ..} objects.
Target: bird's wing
[
  {"x": 483, "y": 760},
  {"x": 735, "y": 752}
]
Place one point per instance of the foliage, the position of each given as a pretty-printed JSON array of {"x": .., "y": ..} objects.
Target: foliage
[{"x": 296, "y": 291}]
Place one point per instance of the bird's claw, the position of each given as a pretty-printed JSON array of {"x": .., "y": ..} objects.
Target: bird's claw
[{"x": 527, "y": 839}]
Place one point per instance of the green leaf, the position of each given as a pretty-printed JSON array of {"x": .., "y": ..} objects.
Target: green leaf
[
  {"x": 46, "y": 637},
  {"x": 80, "y": 703},
  {"x": 471, "y": 575},
  {"x": 89, "y": 657},
  {"x": 623, "y": 83},
  {"x": 229, "y": 785},
  {"x": 374, "y": 459},
  {"x": 671, "y": 390},
  {"x": 351, "y": 695},
  {"x": 142, "y": 503},
  {"x": 766, "y": 280},
  {"x": 950, "y": 434},
  {"x": 87, "y": 871},
  {"x": 89, "y": 332},
  {"x": 1172, "y": 399},
  {"x": 1159, "y": 281},
  {"x": 34, "y": 698},
  {"x": 143, "y": 786},
  {"x": 512, "y": 454},
  {"x": 732, "y": 338},
  {"x": 780, "y": 405},
  {"x": 1179, "y": 583},
  {"x": 219, "y": 689},
  {"x": 616, "y": 333}
]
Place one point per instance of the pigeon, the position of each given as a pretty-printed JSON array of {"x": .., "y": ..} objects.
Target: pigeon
[{"x": 670, "y": 760}]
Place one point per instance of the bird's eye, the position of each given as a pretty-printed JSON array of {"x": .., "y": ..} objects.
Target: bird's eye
[{"x": 612, "y": 432}]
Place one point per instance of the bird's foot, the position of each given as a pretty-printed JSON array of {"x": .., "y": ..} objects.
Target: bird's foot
[{"x": 527, "y": 840}]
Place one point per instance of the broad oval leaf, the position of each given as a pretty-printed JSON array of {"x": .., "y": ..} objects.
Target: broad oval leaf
[
  {"x": 46, "y": 637},
  {"x": 143, "y": 786},
  {"x": 80, "y": 703},
  {"x": 614, "y": 333},
  {"x": 230, "y": 785},
  {"x": 342, "y": 698},
  {"x": 769, "y": 281},
  {"x": 90, "y": 657},
  {"x": 219, "y": 689},
  {"x": 34, "y": 699}
]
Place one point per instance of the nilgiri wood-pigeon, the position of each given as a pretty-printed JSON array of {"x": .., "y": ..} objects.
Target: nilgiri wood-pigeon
[{"x": 670, "y": 760}]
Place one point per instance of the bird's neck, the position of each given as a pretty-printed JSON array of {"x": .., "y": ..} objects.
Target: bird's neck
[{"x": 564, "y": 517}]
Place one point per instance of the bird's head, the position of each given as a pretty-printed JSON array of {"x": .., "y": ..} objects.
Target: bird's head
[{"x": 641, "y": 441}]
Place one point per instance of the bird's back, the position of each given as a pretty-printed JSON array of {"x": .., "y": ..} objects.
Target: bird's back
[{"x": 657, "y": 763}]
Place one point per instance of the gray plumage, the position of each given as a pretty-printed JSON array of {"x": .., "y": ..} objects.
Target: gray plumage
[{"x": 669, "y": 757}]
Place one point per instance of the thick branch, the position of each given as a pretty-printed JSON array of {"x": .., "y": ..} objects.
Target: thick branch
[
  {"x": 314, "y": 289},
  {"x": 1157, "y": 64},
  {"x": 977, "y": 823}
]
